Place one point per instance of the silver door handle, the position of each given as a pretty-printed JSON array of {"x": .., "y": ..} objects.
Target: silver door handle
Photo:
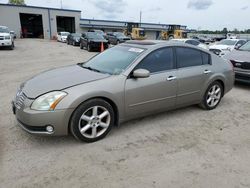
[
  {"x": 170, "y": 78},
  {"x": 207, "y": 71}
]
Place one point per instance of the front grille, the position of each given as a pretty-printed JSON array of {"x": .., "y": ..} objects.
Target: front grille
[
  {"x": 20, "y": 98},
  {"x": 1, "y": 38},
  {"x": 241, "y": 65},
  {"x": 215, "y": 51}
]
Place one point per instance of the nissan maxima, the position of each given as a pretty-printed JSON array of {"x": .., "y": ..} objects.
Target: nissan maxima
[{"x": 128, "y": 81}]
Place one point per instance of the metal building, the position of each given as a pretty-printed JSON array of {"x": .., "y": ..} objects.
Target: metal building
[
  {"x": 39, "y": 22},
  {"x": 43, "y": 22}
]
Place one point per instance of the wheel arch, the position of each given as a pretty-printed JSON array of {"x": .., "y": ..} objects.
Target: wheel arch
[{"x": 111, "y": 102}]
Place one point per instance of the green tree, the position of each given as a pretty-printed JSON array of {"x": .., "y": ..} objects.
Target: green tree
[
  {"x": 17, "y": 2},
  {"x": 225, "y": 31}
]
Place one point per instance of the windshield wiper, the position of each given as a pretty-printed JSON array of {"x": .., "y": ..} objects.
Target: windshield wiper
[{"x": 90, "y": 68}]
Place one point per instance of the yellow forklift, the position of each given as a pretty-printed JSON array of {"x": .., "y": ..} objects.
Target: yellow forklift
[
  {"x": 135, "y": 32},
  {"x": 174, "y": 32}
]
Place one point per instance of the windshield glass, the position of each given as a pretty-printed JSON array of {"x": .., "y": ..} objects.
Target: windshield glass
[
  {"x": 142, "y": 33},
  {"x": 114, "y": 60},
  {"x": 93, "y": 35},
  {"x": 228, "y": 42},
  {"x": 64, "y": 34},
  {"x": 4, "y": 30},
  {"x": 99, "y": 32},
  {"x": 245, "y": 47},
  {"x": 119, "y": 35}
]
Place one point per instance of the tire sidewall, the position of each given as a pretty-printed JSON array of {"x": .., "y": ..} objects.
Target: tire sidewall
[{"x": 78, "y": 113}]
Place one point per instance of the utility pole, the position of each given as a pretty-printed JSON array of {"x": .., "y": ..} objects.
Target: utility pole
[
  {"x": 61, "y": 4},
  {"x": 140, "y": 16}
]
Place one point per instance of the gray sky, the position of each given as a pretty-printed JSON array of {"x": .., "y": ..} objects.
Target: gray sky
[{"x": 196, "y": 14}]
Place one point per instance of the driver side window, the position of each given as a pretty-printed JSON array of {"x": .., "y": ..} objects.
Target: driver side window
[{"x": 158, "y": 60}]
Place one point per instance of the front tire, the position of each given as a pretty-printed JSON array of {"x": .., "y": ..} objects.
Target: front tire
[
  {"x": 213, "y": 96},
  {"x": 92, "y": 120}
]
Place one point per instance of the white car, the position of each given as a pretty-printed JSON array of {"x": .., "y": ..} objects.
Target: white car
[
  {"x": 6, "y": 39},
  {"x": 192, "y": 42},
  {"x": 62, "y": 36},
  {"x": 225, "y": 46}
]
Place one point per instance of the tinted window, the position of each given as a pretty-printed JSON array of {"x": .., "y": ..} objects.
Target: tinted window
[
  {"x": 241, "y": 42},
  {"x": 205, "y": 58},
  {"x": 187, "y": 57},
  {"x": 158, "y": 60}
]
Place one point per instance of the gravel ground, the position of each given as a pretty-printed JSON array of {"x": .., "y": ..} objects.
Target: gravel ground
[{"x": 188, "y": 147}]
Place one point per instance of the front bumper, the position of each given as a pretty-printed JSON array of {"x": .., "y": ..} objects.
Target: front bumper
[
  {"x": 5, "y": 42},
  {"x": 35, "y": 122},
  {"x": 242, "y": 76}
]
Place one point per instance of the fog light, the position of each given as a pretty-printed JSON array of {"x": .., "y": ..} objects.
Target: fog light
[{"x": 50, "y": 129}]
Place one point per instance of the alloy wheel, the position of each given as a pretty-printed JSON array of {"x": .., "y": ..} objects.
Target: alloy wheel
[
  {"x": 94, "y": 122},
  {"x": 213, "y": 96}
]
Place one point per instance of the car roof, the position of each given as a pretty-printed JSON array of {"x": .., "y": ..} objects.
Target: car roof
[{"x": 154, "y": 44}]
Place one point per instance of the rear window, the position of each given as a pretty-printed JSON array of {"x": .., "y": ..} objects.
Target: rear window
[
  {"x": 206, "y": 58},
  {"x": 188, "y": 57}
]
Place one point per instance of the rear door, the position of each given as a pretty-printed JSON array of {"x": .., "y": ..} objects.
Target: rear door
[
  {"x": 157, "y": 92},
  {"x": 193, "y": 72}
]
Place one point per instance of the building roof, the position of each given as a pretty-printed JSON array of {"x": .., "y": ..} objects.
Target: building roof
[{"x": 36, "y": 7}]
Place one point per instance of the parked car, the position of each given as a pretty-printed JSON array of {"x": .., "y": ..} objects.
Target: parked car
[
  {"x": 128, "y": 81},
  {"x": 225, "y": 46},
  {"x": 62, "y": 36},
  {"x": 116, "y": 38},
  {"x": 240, "y": 58},
  {"x": 93, "y": 41},
  {"x": 6, "y": 40},
  {"x": 74, "y": 39},
  {"x": 203, "y": 39},
  {"x": 192, "y": 42}
]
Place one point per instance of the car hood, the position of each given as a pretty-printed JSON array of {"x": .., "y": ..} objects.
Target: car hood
[
  {"x": 59, "y": 79},
  {"x": 221, "y": 47},
  {"x": 4, "y": 34},
  {"x": 238, "y": 55}
]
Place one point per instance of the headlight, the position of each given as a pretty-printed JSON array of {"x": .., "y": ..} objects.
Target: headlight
[
  {"x": 7, "y": 37},
  {"x": 48, "y": 101}
]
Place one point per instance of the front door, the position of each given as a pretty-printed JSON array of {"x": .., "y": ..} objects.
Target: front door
[{"x": 155, "y": 93}]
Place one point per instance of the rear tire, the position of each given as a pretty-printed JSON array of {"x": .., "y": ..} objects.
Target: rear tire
[
  {"x": 212, "y": 96},
  {"x": 92, "y": 120}
]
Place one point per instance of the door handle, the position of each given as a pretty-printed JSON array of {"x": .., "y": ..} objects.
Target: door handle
[
  {"x": 207, "y": 71},
  {"x": 171, "y": 78}
]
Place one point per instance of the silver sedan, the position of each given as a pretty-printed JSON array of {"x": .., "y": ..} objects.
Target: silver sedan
[{"x": 131, "y": 80}]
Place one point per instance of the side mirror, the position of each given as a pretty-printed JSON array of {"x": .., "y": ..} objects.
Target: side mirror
[
  {"x": 237, "y": 46},
  {"x": 141, "y": 73}
]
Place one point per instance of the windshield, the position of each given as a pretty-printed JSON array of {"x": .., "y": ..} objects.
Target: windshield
[
  {"x": 4, "y": 30},
  {"x": 64, "y": 34},
  {"x": 119, "y": 35},
  {"x": 142, "y": 33},
  {"x": 228, "y": 42},
  {"x": 245, "y": 47},
  {"x": 93, "y": 35},
  {"x": 114, "y": 60},
  {"x": 99, "y": 32}
]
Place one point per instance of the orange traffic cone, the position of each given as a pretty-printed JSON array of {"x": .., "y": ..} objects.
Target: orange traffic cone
[{"x": 102, "y": 47}]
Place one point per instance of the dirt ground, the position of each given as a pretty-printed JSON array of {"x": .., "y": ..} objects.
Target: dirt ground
[{"x": 188, "y": 147}]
